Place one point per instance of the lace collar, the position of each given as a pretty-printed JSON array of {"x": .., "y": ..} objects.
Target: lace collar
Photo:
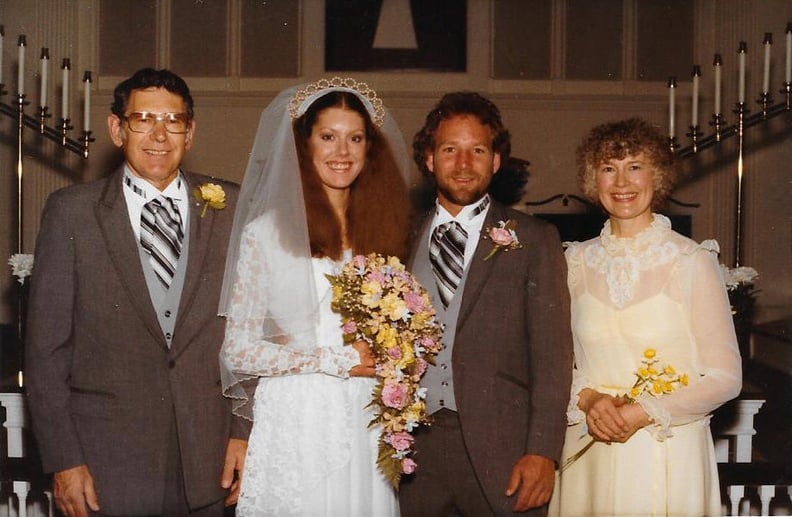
[
  {"x": 621, "y": 260},
  {"x": 651, "y": 235}
]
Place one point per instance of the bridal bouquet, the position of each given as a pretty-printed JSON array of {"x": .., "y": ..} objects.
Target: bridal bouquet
[
  {"x": 651, "y": 378},
  {"x": 384, "y": 305}
]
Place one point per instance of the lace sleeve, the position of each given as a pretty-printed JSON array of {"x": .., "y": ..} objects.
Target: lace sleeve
[
  {"x": 251, "y": 349},
  {"x": 579, "y": 382},
  {"x": 717, "y": 375}
]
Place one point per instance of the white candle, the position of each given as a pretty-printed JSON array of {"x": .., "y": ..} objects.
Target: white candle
[
  {"x": 696, "y": 78},
  {"x": 788, "y": 67},
  {"x": 2, "y": 37},
  {"x": 65, "y": 101},
  {"x": 671, "y": 88},
  {"x": 21, "y": 71},
  {"x": 741, "y": 89},
  {"x": 44, "y": 76},
  {"x": 768, "y": 43},
  {"x": 87, "y": 105},
  {"x": 718, "y": 80}
]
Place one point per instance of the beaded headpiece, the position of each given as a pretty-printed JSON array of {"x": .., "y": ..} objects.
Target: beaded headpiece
[{"x": 306, "y": 96}]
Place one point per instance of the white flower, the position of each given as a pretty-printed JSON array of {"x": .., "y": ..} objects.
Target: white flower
[
  {"x": 21, "y": 266},
  {"x": 734, "y": 276}
]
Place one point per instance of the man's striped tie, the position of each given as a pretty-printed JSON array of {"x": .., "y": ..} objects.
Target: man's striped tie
[
  {"x": 447, "y": 255},
  {"x": 161, "y": 236}
]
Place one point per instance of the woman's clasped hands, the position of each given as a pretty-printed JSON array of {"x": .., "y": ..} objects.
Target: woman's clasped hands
[{"x": 609, "y": 418}]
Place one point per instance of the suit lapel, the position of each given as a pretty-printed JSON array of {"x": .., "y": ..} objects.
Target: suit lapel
[
  {"x": 480, "y": 269},
  {"x": 200, "y": 233},
  {"x": 113, "y": 220}
]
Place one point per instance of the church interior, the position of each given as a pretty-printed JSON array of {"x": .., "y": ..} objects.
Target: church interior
[{"x": 712, "y": 74}]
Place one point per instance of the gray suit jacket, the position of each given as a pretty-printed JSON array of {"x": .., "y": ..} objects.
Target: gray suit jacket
[
  {"x": 512, "y": 357},
  {"x": 104, "y": 387}
]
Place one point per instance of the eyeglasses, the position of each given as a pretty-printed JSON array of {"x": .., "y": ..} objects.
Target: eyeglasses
[{"x": 144, "y": 121}]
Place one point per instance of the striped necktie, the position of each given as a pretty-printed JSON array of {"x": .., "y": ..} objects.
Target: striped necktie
[
  {"x": 161, "y": 236},
  {"x": 447, "y": 255}
]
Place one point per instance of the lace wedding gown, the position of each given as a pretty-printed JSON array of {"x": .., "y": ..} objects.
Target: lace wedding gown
[
  {"x": 310, "y": 451},
  {"x": 663, "y": 291}
]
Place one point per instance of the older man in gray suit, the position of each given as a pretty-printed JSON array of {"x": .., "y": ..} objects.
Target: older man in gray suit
[
  {"x": 123, "y": 334},
  {"x": 499, "y": 390}
]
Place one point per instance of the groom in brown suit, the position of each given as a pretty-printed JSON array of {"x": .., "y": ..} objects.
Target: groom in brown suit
[
  {"x": 499, "y": 390},
  {"x": 123, "y": 334}
]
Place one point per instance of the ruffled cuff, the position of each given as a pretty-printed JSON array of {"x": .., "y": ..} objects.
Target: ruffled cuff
[
  {"x": 660, "y": 428},
  {"x": 579, "y": 383},
  {"x": 338, "y": 362}
]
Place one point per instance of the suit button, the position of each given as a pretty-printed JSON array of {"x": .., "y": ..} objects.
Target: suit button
[
  {"x": 172, "y": 364},
  {"x": 167, "y": 314},
  {"x": 442, "y": 402},
  {"x": 444, "y": 384},
  {"x": 168, "y": 335}
]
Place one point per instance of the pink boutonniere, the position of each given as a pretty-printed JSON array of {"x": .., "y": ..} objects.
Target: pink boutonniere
[{"x": 503, "y": 237}]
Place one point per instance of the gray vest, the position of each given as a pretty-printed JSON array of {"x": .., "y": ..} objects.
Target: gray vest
[
  {"x": 439, "y": 379},
  {"x": 166, "y": 302}
]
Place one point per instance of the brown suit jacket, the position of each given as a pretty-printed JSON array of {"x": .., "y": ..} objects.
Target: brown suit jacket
[
  {"x": 512, "y": 356},
  {"x": 104, "y": 388}
]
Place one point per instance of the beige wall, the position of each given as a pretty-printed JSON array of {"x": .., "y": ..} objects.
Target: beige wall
[{"x": 547, "y": 118}]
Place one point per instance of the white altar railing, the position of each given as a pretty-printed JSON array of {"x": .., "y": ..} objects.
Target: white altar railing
[
  {"x": 20, "y": 502},
  {"x": 748, "y": 490}
]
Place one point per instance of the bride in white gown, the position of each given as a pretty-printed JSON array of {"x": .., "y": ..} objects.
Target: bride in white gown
[
  {"x": 324, "y": 181},
  {"x": 641, "y": 285}
]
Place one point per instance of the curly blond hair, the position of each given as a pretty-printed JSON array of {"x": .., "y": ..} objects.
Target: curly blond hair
[{"x": 617, "y": 140}]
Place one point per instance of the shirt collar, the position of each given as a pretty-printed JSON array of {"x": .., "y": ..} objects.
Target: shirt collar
[
  {"x": 148, "y": 191},
  {"x": 467, "y": 215}
]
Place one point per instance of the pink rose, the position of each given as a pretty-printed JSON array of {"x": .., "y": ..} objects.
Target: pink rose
[
  {"x": 394, "y": 395},
  {"x": 420, "y": 367},
  {"x": 501, "y": 236},
  {"x": 414, "y": 302},
  {"x": 395, "y": 353},
  {"x": 408, "y": 466},
  {"x": 359, "y": 261},
  {"x": 350, "y": 327},
  {"x": 376, "y": 276},
  {"x": 429, "y": 344},
  {"x": 400, "y": 441}
]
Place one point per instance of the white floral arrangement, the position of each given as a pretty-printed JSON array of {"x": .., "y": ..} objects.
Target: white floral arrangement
[
  {"x": 733, "y": 277},
  {"x": 21, "y": 266}
]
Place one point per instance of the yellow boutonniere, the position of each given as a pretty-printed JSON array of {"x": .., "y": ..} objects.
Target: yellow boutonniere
[{"x": 211, "y": 195}]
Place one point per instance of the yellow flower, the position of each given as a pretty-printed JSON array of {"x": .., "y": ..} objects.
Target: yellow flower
[
  {"x": 371, "y": 293},
  {"x": 387, "y": 335},
  {"x": 657, "y": 387},
  {"x": 669, "y": 370},
  {"x": 635, "y": 392},
  {"x": 684, "y": 379},
  {"x": 649, "y": 353},
  {"x": 211, "y": 195},
  {"x": 643, "y": 372},
  {"x": 393, "y": 306}
]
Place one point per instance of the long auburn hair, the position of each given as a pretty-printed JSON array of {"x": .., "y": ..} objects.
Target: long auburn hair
[{"x": 378, "y": 211}]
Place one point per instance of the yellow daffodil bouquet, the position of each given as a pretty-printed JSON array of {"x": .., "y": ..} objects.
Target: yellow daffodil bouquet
[
  {"x": 381, "y": 303},
  {"x": 651, "y": 378}
]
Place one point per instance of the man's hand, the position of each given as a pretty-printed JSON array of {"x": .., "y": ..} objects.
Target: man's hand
[
  {"x": 232, "y": 469},
  {"x": 534, "y": 476},
  {"x": 74, "y": 489}
]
